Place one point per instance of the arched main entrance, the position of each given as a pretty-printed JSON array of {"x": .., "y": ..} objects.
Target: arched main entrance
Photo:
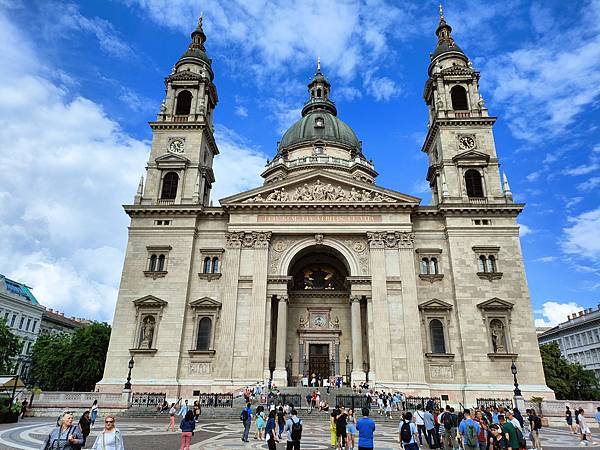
[{"x": 318, "y": 319}]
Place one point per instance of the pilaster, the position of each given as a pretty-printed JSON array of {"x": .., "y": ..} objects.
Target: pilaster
[
  {"x": 280, "y": 373},
  {"x": 358, "y": 374}
]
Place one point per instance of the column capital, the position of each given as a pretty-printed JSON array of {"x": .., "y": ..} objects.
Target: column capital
[
  {"x": 234, "y": 239},
  {"x": 390, "y": 239},
  {"x": 355, "y": 298},
  {"x": 282, "y": 298},
  {"x": 254, "y": 239}
]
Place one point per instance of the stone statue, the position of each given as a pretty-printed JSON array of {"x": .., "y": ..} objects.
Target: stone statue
[
  {"x": 284, "y": 196},
  {"x": 147, "y": 332},
  {"x": 354, "y": 195},
  {"x": 498, "y": 337}
]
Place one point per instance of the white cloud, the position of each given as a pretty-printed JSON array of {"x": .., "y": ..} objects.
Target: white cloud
[
  {"x": 69, "y": 168},
  {"x": 533, "y": 176},
  {"x": 582, "y": 169},
  {"x": 238, "y": 166},
  {"x": 582, "y": 237},
  {"x": 524, "y": 230},
  {"x": 241, "y": 111},
  {"x": 271, "y": 37},
  {"x": 546, "y": 259},
  {"x": 554, "y": 313},
  {"x": 547, "y": 83},
  {"x": 421, "y": 187},
  {"x": 381, "y": 88},
  {"x": 590, "y": 184}
]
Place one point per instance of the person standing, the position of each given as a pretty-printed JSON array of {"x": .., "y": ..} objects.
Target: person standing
[
  {"x": 270, "y": 433},
  {"x": 261, "y": 422},
  {"x": 246, "y": 418},
  {"x": 293, "y": 427},
  {"x": 64, "y": 436},
  {"x": 432, "y": 437},
  {"x": 187, "y": 427},
  {"x": 24, "y": 404},
  {"x": 183, "y": 410},
  {"x": 536, "y": 426},
  {"x": 94, "y": 412},
  {"x": 586, "y": 433},
  {"x": 110, "y": 438},
  {"x": 172, "y": 413},
  {"x": 280, "y": 421},
  {"x": 509, "y": 431},
  {"x": 366, "y": 428},
  {"x": 351, "y": 430},
  {"x": 85, "y": 426},
  {"x": 340, "y": 428},
  {"x": 450, "y": 423},
  {"x": 332, "y": 429},
  {"x": 408, "y": 433},
  {"x": 497, "y": 441},
  {"x": 468, "y": 431},
  {"x": 598, "y": 416}
]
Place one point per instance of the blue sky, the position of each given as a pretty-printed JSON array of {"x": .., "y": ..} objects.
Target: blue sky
[{"x": 80, "y": 80}]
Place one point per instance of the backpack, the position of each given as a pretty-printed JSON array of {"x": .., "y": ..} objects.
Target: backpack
[
  {"x": 537, "y": 423},
  {"x": 471, "y": 435},
  {"x": 244, "y": 415},
  {"x": 449, "y": 420},
  {"x": 296, "y": 430},
  {"x": 405, "y": 433}
]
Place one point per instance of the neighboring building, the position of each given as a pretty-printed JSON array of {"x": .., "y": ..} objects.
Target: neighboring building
[
  {"x": 54, "y": 322},
  {"x": 578, "y": 338},
  {"x": 320, "y": 270},
  {"x": 23, "y": 314}
]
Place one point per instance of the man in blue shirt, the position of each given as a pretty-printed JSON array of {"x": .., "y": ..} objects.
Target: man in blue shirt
[
  {"x": 365, "y": 427},
  {"x": 598, "y": 415}
]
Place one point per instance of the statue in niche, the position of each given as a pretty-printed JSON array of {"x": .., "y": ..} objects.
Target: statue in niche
[
  {"x": 498, "y": 336},
  {"x": 147, "y": 334}
]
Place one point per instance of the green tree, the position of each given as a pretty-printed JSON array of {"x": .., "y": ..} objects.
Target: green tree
[
  {"x": 567, "y": 380},
  {"x": 71, "y": 362},
  {"x": 10, "y": 347}
]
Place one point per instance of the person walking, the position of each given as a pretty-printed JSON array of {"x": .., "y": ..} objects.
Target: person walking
[
  {"x": 450, "y": 422},
  {"x": 586, "y": 433},
  {"x": 261, "y": 422},
  {"x": 468, "y": 431},
  {"x": 420, "y": 422},
  {"x": 536, "y": 425},
  {"x": 85, "y": 426},
  {"x": 569, "y": 420},
  {"x": 110, "y": 438},
  {"x": 64, "y": 436},
  {"x": 270, "y": 433},
  {"x": 187, "y": 427},
  {"x": 366, "y": 428},
  {"x": 246, "y": 418},
  {"x": 94, "y": 412},
  {"x": 408, "y": 433},
  {"x": 351, "y": 430},
  {"x": 281, "y": 416},
  {"x": 332, "y": 429},
  {"x": 172, "y": 413},
  {"x": 183, "y": 410},
  {"x": 293, "y": 427}
]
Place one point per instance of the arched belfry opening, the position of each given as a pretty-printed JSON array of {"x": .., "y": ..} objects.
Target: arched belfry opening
[{"x": 314, "y": 325}]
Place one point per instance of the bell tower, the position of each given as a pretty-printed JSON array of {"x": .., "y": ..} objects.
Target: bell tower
[
  {"x": 463, "y": 165},
  {"x": 179, "y": 169}
]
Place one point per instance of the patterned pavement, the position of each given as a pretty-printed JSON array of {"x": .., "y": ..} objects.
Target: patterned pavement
[{"x": 225, "y": 435}]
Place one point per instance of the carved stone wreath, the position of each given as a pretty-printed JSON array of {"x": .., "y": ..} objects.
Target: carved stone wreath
[{"x": 318, "y": 192}]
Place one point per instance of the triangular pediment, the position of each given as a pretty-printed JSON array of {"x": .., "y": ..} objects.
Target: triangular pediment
[
  {"x": 471, "y": 155},
  {"x": 435, "y": 305},
  {"x": 171, "y": 160},
  {"x": 149, "y": 301},
  {"x": 495, "y": 304},
  {"x": 320, "y": 187},
  {"x": 205, "y": 303}
]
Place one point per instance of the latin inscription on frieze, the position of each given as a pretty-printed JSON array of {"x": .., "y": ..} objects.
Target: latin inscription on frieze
[{"x": 319, "y": 218}]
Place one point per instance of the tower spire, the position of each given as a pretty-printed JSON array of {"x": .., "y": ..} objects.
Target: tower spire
[
  {"x": 140, "y": 191},
  {"x": 318, "y": 64}
]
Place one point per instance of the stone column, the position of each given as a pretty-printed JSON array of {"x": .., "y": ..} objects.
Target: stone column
[
  {"x": 258, "y": 307},
  {"x": 280, "y": 372},
  {"x": 410, "y": 309},
  {"x": 358, "y": 374},
  {"x": 381, "y": 321},
  {"x": 371, "y": 341},
  {"x": 231, "y": 269}
]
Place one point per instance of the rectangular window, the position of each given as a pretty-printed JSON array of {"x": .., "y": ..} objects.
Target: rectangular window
[
  {"x": 6, "y": 315},
  {"x": 21, "y": 323},
  {"x": 28, "y": 347},
  {"x": 28, "y": 325},
  {"x": 33, "y": 327},
  {"x": 12, "y": 321}
]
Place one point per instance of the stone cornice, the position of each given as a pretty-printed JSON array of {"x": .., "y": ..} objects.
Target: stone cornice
[
  {"x": 157, "y": 210},
  {"x": 453, "y": 121},
  {"x": 318, "y": 206}
]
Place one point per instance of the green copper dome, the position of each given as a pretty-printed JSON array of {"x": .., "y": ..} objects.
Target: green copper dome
[{"x": 320, "y": 124}]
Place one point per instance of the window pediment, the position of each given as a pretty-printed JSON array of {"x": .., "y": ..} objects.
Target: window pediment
[
  {"x": 150, "y": 301},
  {"x": 472, "y": 156},
  {"x": 495, "y": 304},
  {"x": 171, "y": 161},
  {"x": 435, "y": 305},
  {"x": 206, "y": 303}
]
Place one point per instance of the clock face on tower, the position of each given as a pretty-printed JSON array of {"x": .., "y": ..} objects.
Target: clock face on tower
[
  {"x": 176, "y": 146},
  {"x": 466, "y": 142},
  {"x": 319, "y": 321}
]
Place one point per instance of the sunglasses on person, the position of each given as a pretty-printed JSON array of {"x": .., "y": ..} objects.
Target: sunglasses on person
[{"x": 109, "y": 421}]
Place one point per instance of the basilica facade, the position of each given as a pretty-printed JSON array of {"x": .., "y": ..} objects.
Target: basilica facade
[{"x": 320, "y": 270}]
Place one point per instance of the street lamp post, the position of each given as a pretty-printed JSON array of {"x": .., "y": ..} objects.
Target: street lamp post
[
  {"x": 518, "y": 397},
  {"x": 128, "y": 383}
]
